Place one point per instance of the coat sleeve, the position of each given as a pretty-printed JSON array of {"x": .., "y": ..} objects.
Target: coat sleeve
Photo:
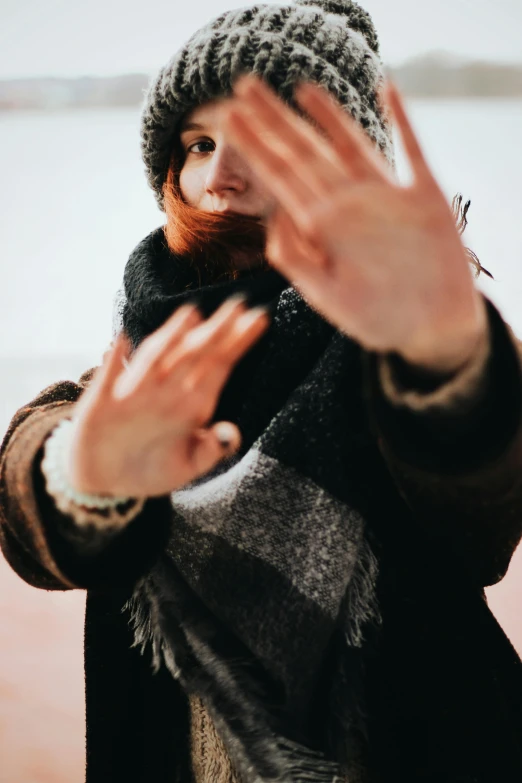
[
  {"x": 454, "y": 449},
  {"x": 34, "y": 534}
]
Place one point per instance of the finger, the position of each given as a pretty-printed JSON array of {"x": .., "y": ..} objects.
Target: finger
[
  {"x": 285, "y": 179},
  {"x": 171, "y": 332},
  {"x": 294, "y": 256},
  {"x": 296, "y": 179},
  {"x": 351, "y": 144},
  {"x": 219, "y": 323},
  {"x": 113, "y": 364},
  {"x": 244, "y": 332},
  {"x": 212, "y": 370},
  {"x": 153, "y": 348},
  {"x": 285, "y": 243},
  {"x": 296, "y": 139},
  {"x": 207, "y": 447},
  {"x": 103, "y": 379},
  {"x": 204, "y": 338},
  {"x": 419, "y": 165},
  {"x": 310, "y": 280}
]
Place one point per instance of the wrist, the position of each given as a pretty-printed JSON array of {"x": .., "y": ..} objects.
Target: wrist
[
  {"x": 84, "y": 507},
  {"x": 447, "y": 357},
  {"x": 447, "y": 362}
]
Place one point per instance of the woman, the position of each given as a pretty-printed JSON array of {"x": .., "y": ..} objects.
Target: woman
[{"x": 300, "y": 463}]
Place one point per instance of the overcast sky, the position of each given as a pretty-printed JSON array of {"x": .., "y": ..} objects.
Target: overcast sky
[{"x": 101, "y": 37}]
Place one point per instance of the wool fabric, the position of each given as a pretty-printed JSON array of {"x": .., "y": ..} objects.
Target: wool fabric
[{"x": 234, "y": 541}]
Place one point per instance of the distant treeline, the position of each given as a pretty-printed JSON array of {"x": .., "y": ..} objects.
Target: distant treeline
[
  {"x": 434, "y": 75},
  {"x": 83, "y": 92}
]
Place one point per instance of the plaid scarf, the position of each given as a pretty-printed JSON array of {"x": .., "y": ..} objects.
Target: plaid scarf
[{"x": 264, "y": 599}]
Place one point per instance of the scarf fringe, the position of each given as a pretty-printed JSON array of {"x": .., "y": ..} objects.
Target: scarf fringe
[
  {"x": 362, "y": 607},
  {"x": 280, "y": 759},
  {"x": 270, "y": 758},
  {"x": 253, "y": 709},
  {"x": 141, "y": 612}
]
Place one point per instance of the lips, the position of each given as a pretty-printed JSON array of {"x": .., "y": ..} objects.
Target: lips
[
  {"x": 240, "y": 214},
  {"x": 234, "y": 212}
]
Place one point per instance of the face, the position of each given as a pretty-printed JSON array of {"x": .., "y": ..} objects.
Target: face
[{"x": 214, "y": 177}]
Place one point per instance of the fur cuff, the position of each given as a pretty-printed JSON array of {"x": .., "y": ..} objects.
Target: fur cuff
[{"x": 450, "y": 392}]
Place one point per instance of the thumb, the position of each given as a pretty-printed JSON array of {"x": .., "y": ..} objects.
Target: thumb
[
  {"x": 113, "y": 363},
  {"x": 213, "y": 444},
  {"x": 288, "y": 248},
  {"x": 115, "y": 370},
  {"x": 104, "y": 376}
]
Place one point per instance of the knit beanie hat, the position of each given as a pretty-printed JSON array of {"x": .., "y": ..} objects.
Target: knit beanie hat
[{"x": 331, "y": 42}]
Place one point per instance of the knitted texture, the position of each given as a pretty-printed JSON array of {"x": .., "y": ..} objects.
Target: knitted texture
[
  {"x": 330, "y": 42},
  {"x": 210, "y": 760},
  {"x": 264, "y": 597}
]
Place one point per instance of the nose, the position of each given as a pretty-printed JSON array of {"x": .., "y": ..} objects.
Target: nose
[{"x": 227, "y": 171}]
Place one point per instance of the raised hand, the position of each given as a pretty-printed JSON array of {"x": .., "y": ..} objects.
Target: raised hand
[
  {"x": 383, "y": 262},
  {"x": 141, "y": 431}
]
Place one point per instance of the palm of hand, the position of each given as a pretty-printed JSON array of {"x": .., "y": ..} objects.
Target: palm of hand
[
  {"x": 143, "y": 431},
  {"x": 359, "y": 265},
  {"x": 384, "y": 263}
]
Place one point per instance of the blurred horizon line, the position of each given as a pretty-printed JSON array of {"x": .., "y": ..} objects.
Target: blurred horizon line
[{"x": 437, "y": 73}]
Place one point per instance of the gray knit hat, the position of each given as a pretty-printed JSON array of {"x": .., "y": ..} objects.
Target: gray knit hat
[{"x": 330, "y": 42}]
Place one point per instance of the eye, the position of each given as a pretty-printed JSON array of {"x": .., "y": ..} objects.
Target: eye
[{"x": 192, "y": 148}]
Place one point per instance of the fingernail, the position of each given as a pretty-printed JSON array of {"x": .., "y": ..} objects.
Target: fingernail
[
  {"x": 244, "y": 82},
  {"x": 260, "y": 309},
  {"x": 122, "y": 388},
  {"x": 236, "y": 299},
  {"x": 301, "y": 88},
  {"x": 189, "y": 307},
  {"x": 225, "y": 434},
  {"x": 253, "y": 314}
]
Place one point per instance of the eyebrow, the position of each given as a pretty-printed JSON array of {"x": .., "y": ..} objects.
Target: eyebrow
[{"x": 188, "y": 126}]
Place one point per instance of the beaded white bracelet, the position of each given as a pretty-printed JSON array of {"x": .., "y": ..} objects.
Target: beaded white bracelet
[{"x": 100, "y": 510}]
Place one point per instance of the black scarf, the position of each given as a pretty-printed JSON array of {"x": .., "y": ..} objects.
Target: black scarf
[{"x": 263, "y": 603}]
